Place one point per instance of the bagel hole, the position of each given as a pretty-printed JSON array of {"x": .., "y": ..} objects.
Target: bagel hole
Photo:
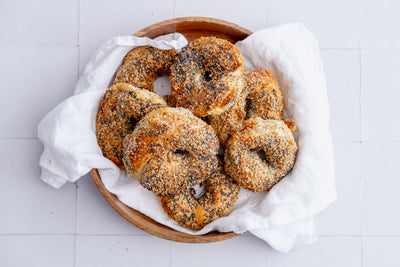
[
  {"x": 247, "y": 108},
  {"x": 198, "y": 190},
  {"x": 133, "y": 122},
  {"x": 261, "y": 154},
  {"x": 207, "y": 76},
  {"x": 181, "y": 152},
  {"x": 162, "y": 85}
]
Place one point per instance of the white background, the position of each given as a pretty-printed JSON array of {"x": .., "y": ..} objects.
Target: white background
[{"x": 44, "y": 46}]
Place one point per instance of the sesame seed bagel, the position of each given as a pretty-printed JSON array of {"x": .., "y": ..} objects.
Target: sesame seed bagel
[
  {"x": 261, "y": 96},
  {"x": 260, "y": 154},
  {"x": 120, "y": 108},
  {"x": 265, "y": 96},
  {"x": 221, "y": 193},
  {"x": 230, "y": 121},
  {"x": 170, "y": 150},
  {"x": 142, "y": 66},
  {"x": 207, "y": 76}
]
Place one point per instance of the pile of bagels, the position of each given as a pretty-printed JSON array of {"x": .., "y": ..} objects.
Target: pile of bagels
[{"x": 222, "y": 128}]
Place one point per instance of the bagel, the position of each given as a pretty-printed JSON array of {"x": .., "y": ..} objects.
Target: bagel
[
  {"x": 221, "y": 193},
  {"x": 142, "y": 65},
  {"x": 261, "y": 96},
  {"x": 260, "y": 154},
  {"x": 265, "y": 96},
  {"x": 207, "y": 76},
  {"x": 170, "y": 150},
  {"x": 230, "y": 121},
  {"x": 120, "y": 108}
]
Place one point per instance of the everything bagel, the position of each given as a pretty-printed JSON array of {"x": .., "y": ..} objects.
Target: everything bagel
[
  {"x": 207, "y": 76},
  {"x": 121, "y": 107},
  {"x": 170, "y": 150},
  {"x": 260, "y": 154},
  {"x": 142, "y": 66},
  {"x": 261, "y": 96}
]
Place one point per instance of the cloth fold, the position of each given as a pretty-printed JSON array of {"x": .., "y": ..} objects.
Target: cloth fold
[{"x": 282, "y": 217}]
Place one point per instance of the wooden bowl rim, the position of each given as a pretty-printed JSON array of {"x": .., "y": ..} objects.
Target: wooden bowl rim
[
  {"x": 135, "y": 217},
  {"x": 195, "y": 19},
  {"x": 151, "y": 226}
]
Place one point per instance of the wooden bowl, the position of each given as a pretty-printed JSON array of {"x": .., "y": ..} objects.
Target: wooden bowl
[{"x": 191, "y": 28}]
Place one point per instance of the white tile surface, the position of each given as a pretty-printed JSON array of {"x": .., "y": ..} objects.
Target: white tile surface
[
  {"x": 28, "y": 205},
  {"x": 335, "y": 24},
  {"x": 381, "y": 251},
  {"x": 251, "y": 14},
  {"x": 382, "y": 182},
  {"x": 380, "y": 93},
  {"x": 101, "y": 20},
  {"x": 344, "y": 217},
  {"x": 38, "y": 78},
  {"x": 122, "y": 251},
  {"x": 238, "y": 251},
  {"x": 326, "y": 251},
  {"x": 39, "y": 66},
  {"x": 162, "y": 85},
  {"x": 42, "y": 22},
  {"x": 96, "y": 216},
  {"x": 85, "y": 54},
  {"x": 342, "y": 68},
  {"x": 37, "y": 250},
  {"x": 380, "y": 23}
]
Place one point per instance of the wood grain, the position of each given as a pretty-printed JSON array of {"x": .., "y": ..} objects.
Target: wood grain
[
  {"x": 149, "y": 225},
  {"x": 191, "y": 28},
  {"x": 195, "y": 27}
]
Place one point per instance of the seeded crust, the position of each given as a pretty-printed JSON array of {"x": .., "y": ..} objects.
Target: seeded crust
[
  {"x": 291, "y": 124},
  {"x": 207, "y": 76},
  {"x": 265, "y": 98},
  {"x": 230, "y": 121},
  {"x": 218, "y": 201},
  {"x": 261, "y": 96},
  {"x": 120, "y": 108},
  {"x": 170, "y": 150},
  {"x": 142, "y": 66},
  {"x": 243, "y": 162}
]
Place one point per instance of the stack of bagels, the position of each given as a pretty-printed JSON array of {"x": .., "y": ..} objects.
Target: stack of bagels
[{"x": 221, "y": 128}]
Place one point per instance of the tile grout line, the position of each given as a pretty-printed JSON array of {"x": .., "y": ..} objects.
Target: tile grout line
[
  {"x": 76, "y": 219},
  {"x": 79, "y": 60},
  {"x": 361, "y": 135},
  {"x": 79, "y": 23},
  {"x": 362, "y": 251},
  {"x": 146, "y": 234},
  {"x": 346, "y": 141},
  {"x": 360, "y": 93},
  {"x": 19, "y": 139},
  {"x": 78, "y": 72},
  {"x": 361, "y": 144},
  {"x": 78, "y": 37},
  {"x": 170, "y": 254},
  {"x": 339, "y": 48},
  {"x": 268, "y": 11},
  {"x": 70, "y": 234}
]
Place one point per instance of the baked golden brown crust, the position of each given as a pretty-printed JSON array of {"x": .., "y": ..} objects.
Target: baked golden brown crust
[
  {"x": 221, "y": 193},
  {"x": 170, "y": 150},
  {"x": 120, "y": 108},
  {"x": 261, "y": 96},
  {"x": 207, "y": 76},
  {"x": 258, "y": 138},
  {"x": 291, "y": 124},
  {"x": 265, "y": 96},
  {"x": 142, "y": 66},
  {"x": 230, "y": 121}
]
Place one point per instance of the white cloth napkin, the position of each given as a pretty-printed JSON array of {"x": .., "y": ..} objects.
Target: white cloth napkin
[{"x": 282, "y": 217}]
